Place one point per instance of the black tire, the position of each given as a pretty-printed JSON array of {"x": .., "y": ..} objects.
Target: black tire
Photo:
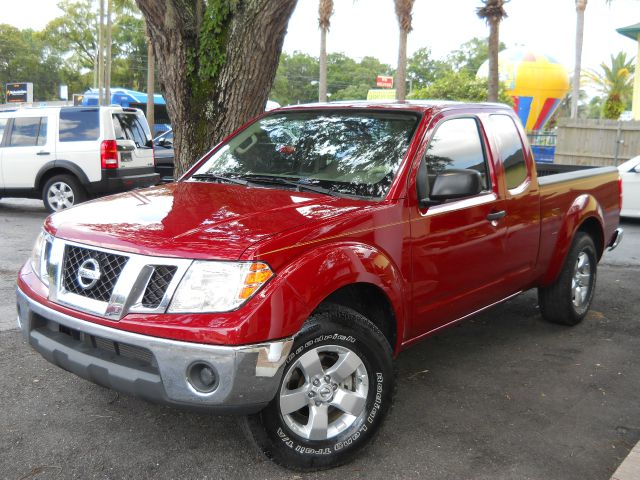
[
  {"x": 61, "y": 192},
  {"x": 567, "y": 300},
  {"x": 334, "y": 333}
]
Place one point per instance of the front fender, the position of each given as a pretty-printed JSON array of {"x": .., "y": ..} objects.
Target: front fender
[
  {"x": 582, "y": 209},
  {"x": 321, "y": 271}
]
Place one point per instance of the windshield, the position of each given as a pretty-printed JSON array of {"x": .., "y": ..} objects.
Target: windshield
[{"x": 351, "y": 153}]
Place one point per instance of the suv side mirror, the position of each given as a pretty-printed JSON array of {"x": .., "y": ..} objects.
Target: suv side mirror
[{"x": 452, "y": 184}]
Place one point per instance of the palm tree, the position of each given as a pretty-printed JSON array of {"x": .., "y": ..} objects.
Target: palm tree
[
  {"x": 404, "y": 10},
  {"x": 493, "y": 13},
  {"x": 581, "y": 5},
  {"x": 615, "y": 82},
  {"x": 325, "y": 10}
]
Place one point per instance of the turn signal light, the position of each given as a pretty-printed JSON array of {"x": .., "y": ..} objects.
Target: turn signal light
[{"x": 260, "y": 273}]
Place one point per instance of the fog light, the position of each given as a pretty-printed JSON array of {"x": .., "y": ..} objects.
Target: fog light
[{"x": 202, "y": 377}]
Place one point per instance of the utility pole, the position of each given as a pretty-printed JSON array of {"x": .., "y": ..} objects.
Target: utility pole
[
  {"x": 107, "y": 94},
  {"x": 150, "y": 84},
  {"x": 100, "y": 53}
]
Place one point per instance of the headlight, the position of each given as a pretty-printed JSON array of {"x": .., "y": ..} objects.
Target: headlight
[
  {"x": 40, "y": 255},
  {"x": 211, "y": 286}
]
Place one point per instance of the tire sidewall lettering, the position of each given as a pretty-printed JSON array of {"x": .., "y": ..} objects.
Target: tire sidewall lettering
[{"x": 373, "y": 408}]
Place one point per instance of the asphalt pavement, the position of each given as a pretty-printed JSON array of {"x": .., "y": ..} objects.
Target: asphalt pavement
[{"x": 504, "y": 395}]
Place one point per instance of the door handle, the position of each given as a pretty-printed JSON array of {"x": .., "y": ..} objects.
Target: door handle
[
  {"x": 42, "y": 152},
  {"x": 495, "y": 216}
]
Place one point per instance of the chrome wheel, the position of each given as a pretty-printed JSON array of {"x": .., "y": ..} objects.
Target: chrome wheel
[
  {"x": 324, "y": 392},
  {"x": 581, "y": 281},
  {"x": 60, "y": 196}
]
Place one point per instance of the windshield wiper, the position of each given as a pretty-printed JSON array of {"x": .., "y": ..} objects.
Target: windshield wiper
[
  {"x": 220, "y": 178},
  {"x": 299, "y": 186}
]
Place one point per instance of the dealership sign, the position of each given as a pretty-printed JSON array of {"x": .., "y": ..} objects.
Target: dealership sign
[
  {"x": 384, "y": 81},
  {"x": 19, "y": 92}
]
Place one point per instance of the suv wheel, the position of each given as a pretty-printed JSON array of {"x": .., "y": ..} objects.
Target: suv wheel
[
  {"x": 335, "y": 391},
  {"x": 61, "y": 192}
]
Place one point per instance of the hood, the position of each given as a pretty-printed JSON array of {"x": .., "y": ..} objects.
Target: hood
[{"x": 192, "y": 219}]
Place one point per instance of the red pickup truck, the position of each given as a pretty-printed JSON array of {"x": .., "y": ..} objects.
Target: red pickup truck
[{"x": 283, "y": 273}]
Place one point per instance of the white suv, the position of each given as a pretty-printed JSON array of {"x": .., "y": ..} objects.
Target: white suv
[{"x": 65, "y": 155}]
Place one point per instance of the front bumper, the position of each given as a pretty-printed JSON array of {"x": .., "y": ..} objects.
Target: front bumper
[{"x": 155, "y": 369}]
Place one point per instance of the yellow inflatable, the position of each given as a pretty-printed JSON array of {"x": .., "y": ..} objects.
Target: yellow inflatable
[{"x": 536, "y": 82}]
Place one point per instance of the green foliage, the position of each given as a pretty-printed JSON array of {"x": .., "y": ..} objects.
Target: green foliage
[
  {"x": 471, "y": 55},
  {"x": 24, "y": 57},
  {"x": 459, "y": 86},
  {"x": 422, "y": 69},
  {"x": 615, "y": 82},
  {"x": 206, "y": 60},
  {"x": 297, "y": 78}
]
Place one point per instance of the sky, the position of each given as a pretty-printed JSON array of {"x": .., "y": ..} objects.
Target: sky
[{"x": 369, "y": 28}]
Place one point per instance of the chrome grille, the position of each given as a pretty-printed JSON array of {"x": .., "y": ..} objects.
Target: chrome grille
[
  {"x": 111, "y": 266},
  {"x": 158, "y": 284}
]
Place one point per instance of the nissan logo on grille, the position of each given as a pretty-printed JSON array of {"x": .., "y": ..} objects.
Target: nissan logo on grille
[{"x": 88, "y": 273}]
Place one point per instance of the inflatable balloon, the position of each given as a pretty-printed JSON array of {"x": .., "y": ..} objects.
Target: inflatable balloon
[{"x": 537, "y": 83}]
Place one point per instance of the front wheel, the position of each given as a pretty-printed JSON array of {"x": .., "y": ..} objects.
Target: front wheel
[
  {"x": 568, "y": 299},
  {"x": 336, "y": 388}
]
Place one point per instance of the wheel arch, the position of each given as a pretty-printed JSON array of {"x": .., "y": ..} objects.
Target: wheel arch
[
  {"x": 584, "y": 215},
  {"x": 59, "y": 167},
  {"x": 353, "y": 275}
]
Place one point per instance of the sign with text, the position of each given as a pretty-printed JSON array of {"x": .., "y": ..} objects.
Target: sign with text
[
  {"x": 19, "y": 92},
  {"x": 384, "y": 81}
]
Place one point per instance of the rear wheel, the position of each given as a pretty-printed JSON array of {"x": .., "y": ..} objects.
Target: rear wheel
[
  {"x": 336, "y": 389},
  {"x": 568, "y": 299},
  {"x": 61, "y": 192}
]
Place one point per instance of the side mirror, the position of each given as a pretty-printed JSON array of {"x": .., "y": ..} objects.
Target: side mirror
[
  {"x": 166, "y": 143},
  {"x": 637, "y": 168},
  {"x": 452, "y": 184}
]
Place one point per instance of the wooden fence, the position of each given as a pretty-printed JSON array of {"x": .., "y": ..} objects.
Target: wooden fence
[{"x": 596, "y": 142}]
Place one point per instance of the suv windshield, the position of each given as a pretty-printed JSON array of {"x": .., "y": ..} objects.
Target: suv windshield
[{"x": 352, "y": 153}]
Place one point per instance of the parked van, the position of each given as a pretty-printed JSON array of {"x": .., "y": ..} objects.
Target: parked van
[{"x": 66, "y": 155}]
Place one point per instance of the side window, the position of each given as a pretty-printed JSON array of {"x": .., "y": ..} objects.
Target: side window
[
  {"x": 456, "y": 144},
  {"x": 129, "y": 127},
  {"x": 510, "y": 149},
  {"x": 3, "y": 125},
  {"x": 28, "y": 132},
  {"x": 79, "y": 125}
]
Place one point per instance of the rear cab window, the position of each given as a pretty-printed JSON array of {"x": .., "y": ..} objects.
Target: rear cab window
[
  {"x": 79, "y": 125},
  {"x": 510, "y": 149},
  {"x": 28, "y": 132}
]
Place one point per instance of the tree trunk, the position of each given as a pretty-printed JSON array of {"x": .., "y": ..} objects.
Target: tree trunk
[
  {"x": 150, "y": 87},
  {"x": 107, "y": 77},
  {"x": 494, "y": 47},
  {"x": 214, "y": 82},
  {"x": 401, "y": 73},
  {"x": 101, "y": 54},
  {"x": 581, "y": 5},
  {"x": 322, "y": 83}
]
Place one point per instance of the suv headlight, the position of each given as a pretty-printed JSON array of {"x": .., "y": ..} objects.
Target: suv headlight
[
  {"x": 40, "y": 256},
  {"x": 214, "y": 286}
]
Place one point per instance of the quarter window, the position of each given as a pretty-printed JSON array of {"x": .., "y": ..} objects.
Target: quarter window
[
  {"x": 28, "y": 132},
  {"x": 456, "y": 144},
  {"x": 79, "y": 125},
  {"x": 129, "y": 127},
  {"x": 510, "y": 149}
]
